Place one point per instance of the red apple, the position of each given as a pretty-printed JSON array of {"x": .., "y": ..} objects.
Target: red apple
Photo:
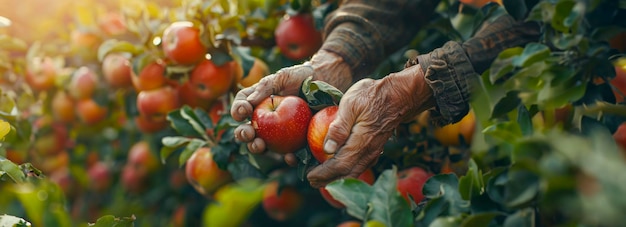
[
  {"x": 100, "y": 176},
  {"x": 282, "y": 121},
  {"x": 210, "y": 81},
  {"x": 155, "y": 104},
  {"x": 203, "y": 173},
  {"x": 349, "y": 224},
  {"x": 41, "y": 73},
  {"x": 318, "y": 128},
  {"x": 147, "y": 125},
  {"x": 83, "y": 83},
  {"x": 90, "y": 112},
  {"x": 619, "y": 82},
  {"x": 151, "y": 77},
  {"x": 297, "y": 38},
  {"x": 367, "y": 177},
  {"x": 63, "y": 107},
  {"x": 281, "y": 205},
  {"x": 112, "y": 24},
  {"x": 187, "y": 96},
  {"x": 620, "y": 136},
  {"x": 141, "y": 162},
  {"x": 411, "y": 181},
  {"x": 181, "y": 43},
  {"x": 116, "y": 70}
]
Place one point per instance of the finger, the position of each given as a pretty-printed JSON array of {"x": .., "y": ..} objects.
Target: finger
[
  {"x": 339, "y": 129},
  {"x": 263, "y": 89},
  {"x": 291, "y": 159},
  {"x": 257, "y": 146},
  {"x": 241, "y": 108},
  {"x": 339, "y": 166},
  {"x": 245, "y": 133}
]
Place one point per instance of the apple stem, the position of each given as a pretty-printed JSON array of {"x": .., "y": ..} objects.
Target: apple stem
[{"x": 272, "y": 100}]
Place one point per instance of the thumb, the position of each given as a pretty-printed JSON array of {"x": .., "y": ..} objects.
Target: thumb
[{"x": 339, "y": 130}]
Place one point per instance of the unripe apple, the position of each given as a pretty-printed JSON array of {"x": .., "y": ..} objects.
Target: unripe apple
[
  {"x": 297, "y": 38},
  {"x": 282, "y": 121},
  {"x": 411, "y": 181},
  {"x": 203, "y": 173},
  {"x": 281, "y": 204},
  {"x": 156, "y": 104},
  {"x": 210, "y": 81},
  {"x": 367, "y": 177},
  {"x": 318, "y": 128}
]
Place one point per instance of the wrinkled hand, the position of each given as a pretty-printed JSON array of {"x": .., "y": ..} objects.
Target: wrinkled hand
[
  {"x": 323, "y": 66},
  {"x": 368, "y": 114}
]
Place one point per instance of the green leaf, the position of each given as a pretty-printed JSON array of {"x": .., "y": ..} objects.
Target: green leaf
[
  {"x": 9, "y": 43},
  {"x": 472, "y": 183},
  {"x": 562, "y": 11},
  {"x": 482, "y": 219},
  {"x": 306, "y": 161},
  {"x": 524, "y": 120},
  {"x": 234, "y": 203},
  {"x": 446, "y": 186},
  {"x": 516, "y": 8},
  {"x": 503, "y": 64},
  {"x": 189, "y": 114},
  {"x": 525, "y": 217},
  {"x": 191, "y": 148},
  {"x": 522, "y": 188},
  {"x": 240, "y": 168},
  {"x": 387, "y": 205},
  {"x": 506, "y": 104},
  {"x": 565, "y": 41},
  {"x": 8, "y": 220},
  {"x": 112, "y": 221},
  {"x": 353, "y": 193},
  {"x": 320, "y": 94},
  {"x": 179, "y": 119},
  {"x": 533, "y": 52},
  {"x": 171, "y": 144},
  {"x": 204, "y": 118},
  {"x": 446, "y": 221},
  {"x": 542, "y": 12},
  {"x": 114, "y": 45},
  {"x": 221, "y": 154},
  {"x": 506, "y": 131},
  {"x": 12, "y": 170}
]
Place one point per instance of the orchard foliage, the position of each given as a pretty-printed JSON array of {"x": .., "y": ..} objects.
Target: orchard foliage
[{"x": 116, "y": 113}]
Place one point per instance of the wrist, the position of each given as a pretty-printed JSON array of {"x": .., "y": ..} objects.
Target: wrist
[
  {"x": 413, "y": 93},
  {"x": 331, "y": 68}
]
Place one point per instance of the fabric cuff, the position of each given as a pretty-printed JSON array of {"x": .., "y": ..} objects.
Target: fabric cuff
[{"x": 448, "y": 72}]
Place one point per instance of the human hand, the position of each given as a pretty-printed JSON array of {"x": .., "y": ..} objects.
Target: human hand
[
  {"x": 368, "y": 114},
  {"x": 324, "y": 66}
]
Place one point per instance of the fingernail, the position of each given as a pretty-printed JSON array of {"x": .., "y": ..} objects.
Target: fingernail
[
  {"x": 243, "y": 134},
  {"x": 254, "y": 146},
  {"x": 241, "y": 110},
  {"x": 330, "y": 147}
]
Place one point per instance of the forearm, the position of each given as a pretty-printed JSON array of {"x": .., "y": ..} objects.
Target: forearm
[{"x": 365, "y": 32}]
